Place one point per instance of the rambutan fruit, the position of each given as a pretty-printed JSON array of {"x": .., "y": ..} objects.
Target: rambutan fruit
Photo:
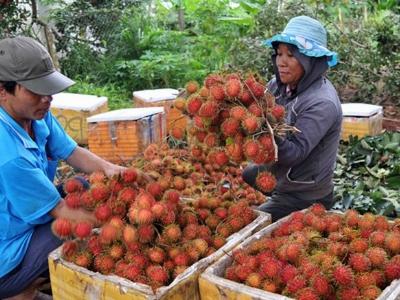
[
  {"x": 370, "y": 293},
  {"x": 320, "y": 285},
  {"x": 217, "y": 92},
  {"x": 182, "y": 259},
  {"x": 129, "y": 234},
  {"x": 377, "y": 238},
  {"x": 245, "y": 97},
  {"x": 230, "y": 127},
  {"x": 392, "y": 242},
  {"x": 127, "y": 195},
  {"x": 233, "y": 88},
  {"x": 288, "y": 273},
  {"x": 69, "y": 250},
  {"x": 278, "y": 111},
  {"x": 180, "y": 103},
  {"x": 208, "y": 109},
  {"x": 255, "y": 110},
  {"x": 73, "y": 200},
  {"x": 132, "y": 271},
  {"x": 381, "y": 223},
  {"x": 144, "y": 216},
  {"x": 192, "y": 87},
  {"x": 172, "y": 233},
  {"x": 108, "y": 234},
  {"x": 296, "y": 284},
  {"x": 129, "y": 175},
  {"x": 104, "y": 264},
  {"x": 83, "y": 259},
  {"x": 201, "y": 245},
  {"x": 218, "y": 241},
  {"x": 251, "y": 149},
  {"x": 146, "y": 233},
  {"x": 351, "y": 218},
  {"x": 172, "y": 196},
  {"x": 168, "y": 218},
  {"x": 213, "y": 79},
  {"x": 62, "y": 228},
  {"x": 349, "y": 292},
  {"x": 359, "y": 262},
  {"x": 234, "y": 151},
  {"x": 377, "y": 256},
  {"x": 144, "y": 200},
  {"x": 271, "y": 268},
  {"x": 177, "y": 133},
  {"x": 72, "y": 185},
  {"x": 230, "y": 273},
  {"x": 343, "y": 275},
  {"x": 82, "y": 229},
  {"x": 100, "y": 192},
  {"x": 238, "y": 112},
  {"x": 221, "y": 158},
  {"x": 211, "y": 140},
  {"x": 193, "y": 104},
  {"x": 250, "y": 124},
  {"x": 257, "y": 89},
  {"x": 293, "y": 252},
  {"x": 157, "y": 274},
  {"x": 359, "y": 245},
  {"x": 265, "y": 141},
  {"x": 254, "y": 280},
  {"x": 270, "y": 286},
  {"x": 116, "y": 251},
  {"x": 307, "y": 294},
  {"x": 392, "y": 270},
  {"x": 156, "y": 255},
  {"x": 363, "y": 280},
  {"x": 97, "y": 177},
  {"x": 265, "y": 182},
  {"x": 103, "y": 212}
]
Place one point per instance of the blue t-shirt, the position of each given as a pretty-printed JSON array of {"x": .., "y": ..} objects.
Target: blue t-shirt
[{"x": 27, "y": 192}]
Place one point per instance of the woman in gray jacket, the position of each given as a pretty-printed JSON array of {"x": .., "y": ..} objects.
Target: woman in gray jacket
[{"x": 306, "y": 159}]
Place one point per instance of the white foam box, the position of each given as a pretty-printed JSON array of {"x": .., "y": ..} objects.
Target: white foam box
[
  {"x": 361, "y": 119},
  {"x": 164, "y": 98},
  {"x": 72, "y": 110},
  {"x": 119, "y": 135},
  {"x": 213, "y": 285}
]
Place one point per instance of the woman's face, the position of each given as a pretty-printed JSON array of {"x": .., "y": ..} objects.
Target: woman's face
[{"x": 289, "y": 68}]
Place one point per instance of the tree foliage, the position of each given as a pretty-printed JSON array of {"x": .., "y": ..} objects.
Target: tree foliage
[{"x": 133, "y": 44}]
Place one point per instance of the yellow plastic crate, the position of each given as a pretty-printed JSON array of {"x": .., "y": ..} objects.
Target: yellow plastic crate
[
  {"x": 361, "y": 120},
  {"x": 119, "y": 135},
  {"x": 164, "y": 98},
  {"x": 72, "y": 110},
  {"x": 213, "y": 286},
  {"x": 70, "y": 282}
]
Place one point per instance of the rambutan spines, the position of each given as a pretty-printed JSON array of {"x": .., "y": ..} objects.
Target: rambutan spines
[{"x": 265, "y": 182}]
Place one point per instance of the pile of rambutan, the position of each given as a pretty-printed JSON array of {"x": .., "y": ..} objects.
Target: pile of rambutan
[
  {"x": 190, "y": 172},
  {"x": 147, "y": 233},
  {"x": 315, "y": 254},
  {"x": 233, "y": 118}
]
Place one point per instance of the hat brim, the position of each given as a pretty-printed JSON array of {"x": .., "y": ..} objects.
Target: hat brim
[
  {"x": 49, "y": 84},
  {"x": 305, "y": 46}
]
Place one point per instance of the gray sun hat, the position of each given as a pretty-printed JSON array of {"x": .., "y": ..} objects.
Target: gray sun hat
[{"x": 24, "y": 60}]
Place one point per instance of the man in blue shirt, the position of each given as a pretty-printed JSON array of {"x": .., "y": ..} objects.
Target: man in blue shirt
[{"x": 32, "y": 141}]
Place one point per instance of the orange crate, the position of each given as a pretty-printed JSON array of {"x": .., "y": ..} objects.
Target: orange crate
[
  {"x": 119, "y": 135},
  {"x": 72, "y": 110},
  {"x": 164, "y": 98}
]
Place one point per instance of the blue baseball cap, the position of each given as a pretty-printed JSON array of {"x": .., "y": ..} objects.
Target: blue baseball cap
[{"x": 308, "y": 35}]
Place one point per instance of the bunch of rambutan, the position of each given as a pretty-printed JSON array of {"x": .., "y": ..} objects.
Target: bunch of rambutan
[
  {"x": 234, "y": 118},
  {"x": 315, "y": 254},
  {"x": 147, "y": 233}
]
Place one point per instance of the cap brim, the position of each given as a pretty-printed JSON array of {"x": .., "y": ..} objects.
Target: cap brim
[
  {"x": 306, "y": 47},
  {"x": 50, "y": 84}
]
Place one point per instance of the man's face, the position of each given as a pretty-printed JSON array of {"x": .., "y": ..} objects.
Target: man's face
[
  {"x": 25, "y": 105},
  {"x": 290, "y": 69}
]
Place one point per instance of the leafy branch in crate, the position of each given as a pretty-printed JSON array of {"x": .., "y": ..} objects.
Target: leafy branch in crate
[{"x": 367, "y": 175}]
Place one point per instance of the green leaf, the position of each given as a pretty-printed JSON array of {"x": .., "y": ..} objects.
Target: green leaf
[
  {"x": 248, "y": 20},
  {"x": 394, "y": 183}
]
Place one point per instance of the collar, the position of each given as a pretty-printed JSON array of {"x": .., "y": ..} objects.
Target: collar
[{"x": 17, "y": 130}]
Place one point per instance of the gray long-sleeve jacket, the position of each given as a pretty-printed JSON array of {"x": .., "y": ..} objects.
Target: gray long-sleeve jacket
[{"x": 307, "y": 159}]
